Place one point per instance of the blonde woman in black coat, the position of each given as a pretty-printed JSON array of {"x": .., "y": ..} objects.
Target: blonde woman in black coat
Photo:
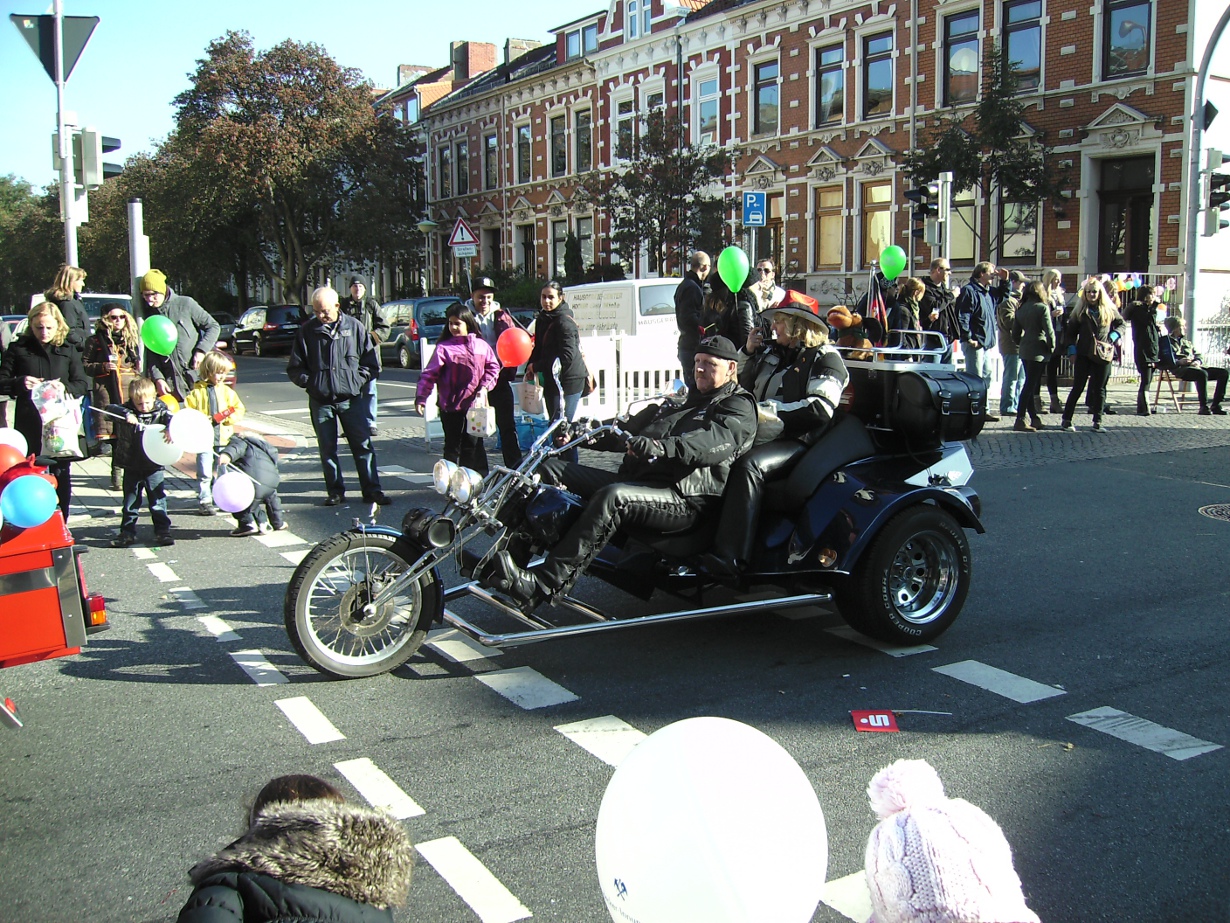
[{"x": 1095, "y": 325}]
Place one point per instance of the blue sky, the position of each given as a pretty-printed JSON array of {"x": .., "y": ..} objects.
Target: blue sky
[{"x": 141, "y": 53}]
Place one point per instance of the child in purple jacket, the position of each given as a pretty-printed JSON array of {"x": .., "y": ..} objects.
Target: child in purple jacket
[{"x": 462, "y": 367}]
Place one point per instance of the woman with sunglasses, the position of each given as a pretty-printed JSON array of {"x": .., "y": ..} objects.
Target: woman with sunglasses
[
  {"x": 1094, "y": 325},
  {"x": 112, "y": 359}
]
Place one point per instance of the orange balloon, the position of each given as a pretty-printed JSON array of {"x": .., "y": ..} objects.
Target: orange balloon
[
  {"x": 9, "y": 456},
  {"x": 171, "y": 401},
  {"x": 513, "y": 347}
]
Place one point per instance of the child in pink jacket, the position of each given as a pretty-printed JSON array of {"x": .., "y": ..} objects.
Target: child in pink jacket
[{"x": 462, "y": 367}]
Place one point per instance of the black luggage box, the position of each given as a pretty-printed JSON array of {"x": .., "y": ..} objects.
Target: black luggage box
[{"x": 909, "y": 406}]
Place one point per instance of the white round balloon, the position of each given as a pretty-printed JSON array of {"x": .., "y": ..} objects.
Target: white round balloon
[
  {"x": 710, "y": 821},
  {"x": 192, "y": 431},
  {"x": 10, "y": 436},
  {"x": 157, "y": 449}
]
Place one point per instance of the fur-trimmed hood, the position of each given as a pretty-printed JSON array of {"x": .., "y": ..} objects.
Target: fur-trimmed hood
[{"x": 356, "y": 852}]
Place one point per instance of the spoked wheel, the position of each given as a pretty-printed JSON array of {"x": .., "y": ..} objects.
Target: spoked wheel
[
  {"x": 256, "y": 347},
  {"x": 330, "y": 615},
  {"x": 405, "y": 358},
  {"x": 910, "y": 585}
]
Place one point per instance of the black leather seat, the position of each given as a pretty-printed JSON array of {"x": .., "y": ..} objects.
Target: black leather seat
[{"x": 847, "y": 441}]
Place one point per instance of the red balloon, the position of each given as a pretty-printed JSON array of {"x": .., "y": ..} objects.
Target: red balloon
[
  {"x": 9, "y": 456},
  {"x": 513, "y": 347},
  {"x": 23, "y": 467}
]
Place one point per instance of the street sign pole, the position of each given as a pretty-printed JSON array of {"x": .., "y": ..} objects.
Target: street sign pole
[{"x": 68, "y": 194}]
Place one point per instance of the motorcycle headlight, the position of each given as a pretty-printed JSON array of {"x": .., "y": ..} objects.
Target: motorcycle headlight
[
  {"x": 442, "y": 475},
  {"x": 464, "y": 484}
]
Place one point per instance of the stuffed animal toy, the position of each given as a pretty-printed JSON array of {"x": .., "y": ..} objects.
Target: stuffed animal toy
[{"x": 854, "y": 332}]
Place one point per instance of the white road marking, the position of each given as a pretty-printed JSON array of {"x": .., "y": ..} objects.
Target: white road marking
[
  {"x": 1155, "y": 737},
  {"x": 280, "y": 539},
  {"x": 309, "y": 719},
  {"x": 849, "y": 896},
  {"x": 1001, "y": 682},
  {"x": 285, "y": 413},
  {"x": 526, "y": 687},
  {"x": 418, "y": 477},
  {"x": 379, "y": 790},
  {"x": 893, "y": 650},
  {"x": 297, "y": 555},
  {"x": 144, "y": 554},
  {"x": 608, "y": 738},
  {"x": 188, "y": 598},
  {"x": 218, "y": 628},
  {"x": 393, "y": 469},
  {"x": 473, "y": 883},
  {"x": 458, "y": 647},
  {"x": 163, "y": 572},
  {"x": 261, "y": 671}
]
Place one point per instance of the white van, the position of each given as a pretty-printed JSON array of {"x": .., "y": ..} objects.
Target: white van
[{"x": 633, "y": 307}]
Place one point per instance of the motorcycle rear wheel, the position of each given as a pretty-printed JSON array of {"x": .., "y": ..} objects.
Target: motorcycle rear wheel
[
  {"x": 910, "y": 585},
  {"x": 325, "y": 608}
]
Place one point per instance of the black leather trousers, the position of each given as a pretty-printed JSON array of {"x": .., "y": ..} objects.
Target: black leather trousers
[
  {"x": 742, "y": 500},
  {"x": 611, "y": 504}
]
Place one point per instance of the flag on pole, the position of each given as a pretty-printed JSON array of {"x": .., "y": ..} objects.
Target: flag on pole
[{"x": 876, "y": 308}]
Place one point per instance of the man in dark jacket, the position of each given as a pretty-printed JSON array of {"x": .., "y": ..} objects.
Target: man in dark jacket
[
  {"x": 256, "y": 458},
  {"x": 975, "y": 308},
  {"x": 677, "y": 462},
  {"x": 197, "y": 332},
  {"x": 689, "y": 307},
  {"x": 366, "y": 310},
  {"x": 1143, "y": 315},
  {"x": 333, "y": 359},
  {"x": 937, "y": 306}
]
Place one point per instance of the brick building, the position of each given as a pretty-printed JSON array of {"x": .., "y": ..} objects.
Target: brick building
[{"x": 818, "y": 101}]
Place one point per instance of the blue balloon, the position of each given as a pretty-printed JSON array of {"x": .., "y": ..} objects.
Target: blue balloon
[{"x": 28, "y": 501}]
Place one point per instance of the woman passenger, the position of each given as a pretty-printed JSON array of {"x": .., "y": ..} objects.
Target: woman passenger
[{"x": 798, "y": 378}]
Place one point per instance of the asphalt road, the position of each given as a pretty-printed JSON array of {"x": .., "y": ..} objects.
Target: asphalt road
[{"x": 1098, "y": 579}]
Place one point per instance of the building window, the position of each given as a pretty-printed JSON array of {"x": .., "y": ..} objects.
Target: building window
[
  {"x": 412, "y": 110},
  {"x": 646, "y": 17},
  {"x": 830, "y": 227},
  {"x": 523, "y": 154},
  {"x": 961, "y": 232},
  {"x": 585, "y": 236},
  {"x": 830, "y": 85},
  {"x": 559, "y": 146},
  {"x": 589, "y": 38},
  {"x": 491, "y": 162},
  {"x": 707, "y": 112},
  {"x": 572, "y": 44},
  {"x": 654, "y": 101},
  {"x": 1125, "y": 29},
  {"x": 877, "y": 219},
  {"x": 581, "y": 41},
  {"x": 1023, "y": 42},
  {"x": 624, "y": 124},
  {"x": 463, "y": 168},
  {"x": 1018, "y": 231},
  {"x": 559, "y": 240},
  {"x": 878, "y": 75},
  {"x": 961, "y": 58},
  {"x": 765, "y": 94},
  {"x": 585, "y": 155},
  {"x": 632, "y": 18},
  {"x": 445, "y": 184},
  {"x": 525, "y": 247}
]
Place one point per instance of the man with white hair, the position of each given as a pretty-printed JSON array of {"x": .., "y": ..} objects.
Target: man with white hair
[{"x": 334, "y": 359}]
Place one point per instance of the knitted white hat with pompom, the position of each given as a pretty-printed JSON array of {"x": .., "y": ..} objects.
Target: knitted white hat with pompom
[{"x": 934, "y": 859}]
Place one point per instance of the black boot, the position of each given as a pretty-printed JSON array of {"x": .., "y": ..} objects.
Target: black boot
[
  {"x": 503, "y": 575},
  {"x": 117, "y": 478}
]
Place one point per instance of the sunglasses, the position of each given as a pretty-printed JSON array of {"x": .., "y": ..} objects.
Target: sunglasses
[{"x": 115, "y": 317}]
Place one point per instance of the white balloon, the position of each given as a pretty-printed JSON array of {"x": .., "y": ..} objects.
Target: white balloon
[
  {"x": 157, "y": 449},
  {"x": 710, "y": 821},
  {"x": 192, "y": 431},
  {"x": 10, "y": 436}
]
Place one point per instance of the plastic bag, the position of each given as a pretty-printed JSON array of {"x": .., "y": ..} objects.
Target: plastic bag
[
  {"x": 529, "y": 397},
  {"x": 61, "y": 417}
]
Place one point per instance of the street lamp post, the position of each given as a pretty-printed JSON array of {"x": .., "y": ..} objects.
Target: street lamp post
[{"x": 427, "y": 226}]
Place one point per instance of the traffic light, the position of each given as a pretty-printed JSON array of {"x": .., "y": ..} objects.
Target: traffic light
[
  {"x": 89, "y": 170},
  {"x": 1218, "y": 197},
  {"x": 926, "y": 207}
]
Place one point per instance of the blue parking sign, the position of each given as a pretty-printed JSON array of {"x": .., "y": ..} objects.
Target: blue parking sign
[{"x": 753, "y": 209}]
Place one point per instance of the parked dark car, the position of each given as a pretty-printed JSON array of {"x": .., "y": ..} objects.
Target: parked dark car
[
  {"x": 399, "y": 314},
  {"x": 426, "y": 323},
  {"x": 227, "y": 323},
  {"x": 267, "y": 328}
]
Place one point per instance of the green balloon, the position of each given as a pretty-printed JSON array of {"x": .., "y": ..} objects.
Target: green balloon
[
  {"x": 158, "y": 333},
  {"x": 892, "y": 261},
  {"x": 732, "y": 268}
]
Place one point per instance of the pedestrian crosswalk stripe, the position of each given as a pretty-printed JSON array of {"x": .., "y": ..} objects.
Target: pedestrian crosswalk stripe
[
  {"x": 309, "y": 719},
  {"x": 258, "y": 668},
  {"x": 297, "y": 555},
  {"x": 1144, "y": 733},
  {"x": 472, "y": 881},
  {"x": 608, "y": 738},
  {"x": 380, "y": 791},
  {"x": 187, "y": 598},
  {"x": 144, "y": 554},
  {"x": 458, "y": 647},
  {"x": 280, "y": 539},
  {"x": 163, "y": 572},
  {"x": 218, "y": 628},
  {"x": 526, "y": 687},
  {"x": 1001, "y": 682},
  {"x": 849, "y": 896},
  {"x": 893, "y": 650}
]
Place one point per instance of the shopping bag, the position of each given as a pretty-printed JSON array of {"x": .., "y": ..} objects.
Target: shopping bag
[
  {"x": 61, "y": 418},
  {"x": 529, "y": 397},
  {"x": 480, "y": 419}
]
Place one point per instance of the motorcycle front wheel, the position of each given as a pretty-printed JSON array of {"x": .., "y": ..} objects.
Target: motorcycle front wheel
[
  {"x": 910, "y": 585},
  {"x": 330, "y": 617}
]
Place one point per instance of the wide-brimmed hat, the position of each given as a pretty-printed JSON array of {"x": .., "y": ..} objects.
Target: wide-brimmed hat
[{"x": 796, "y": 304}]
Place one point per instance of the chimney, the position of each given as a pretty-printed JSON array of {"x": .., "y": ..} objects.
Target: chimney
[
  {"x": 516, "y": 47},
  {"x": 470, "y": 59}
]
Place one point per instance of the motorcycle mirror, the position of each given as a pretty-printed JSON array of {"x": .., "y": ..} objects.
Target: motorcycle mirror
[
  {"x": 556, "y": 366},
  {"x": 679, "y": 389}
]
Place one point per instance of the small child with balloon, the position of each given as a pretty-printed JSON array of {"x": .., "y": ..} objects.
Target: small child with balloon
[
  {"x": 258, "y": 462},
  {"x": 142, "y": 475},
  {"x": 461, "y": 368},
  {"x": 218, "y": 401}
]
